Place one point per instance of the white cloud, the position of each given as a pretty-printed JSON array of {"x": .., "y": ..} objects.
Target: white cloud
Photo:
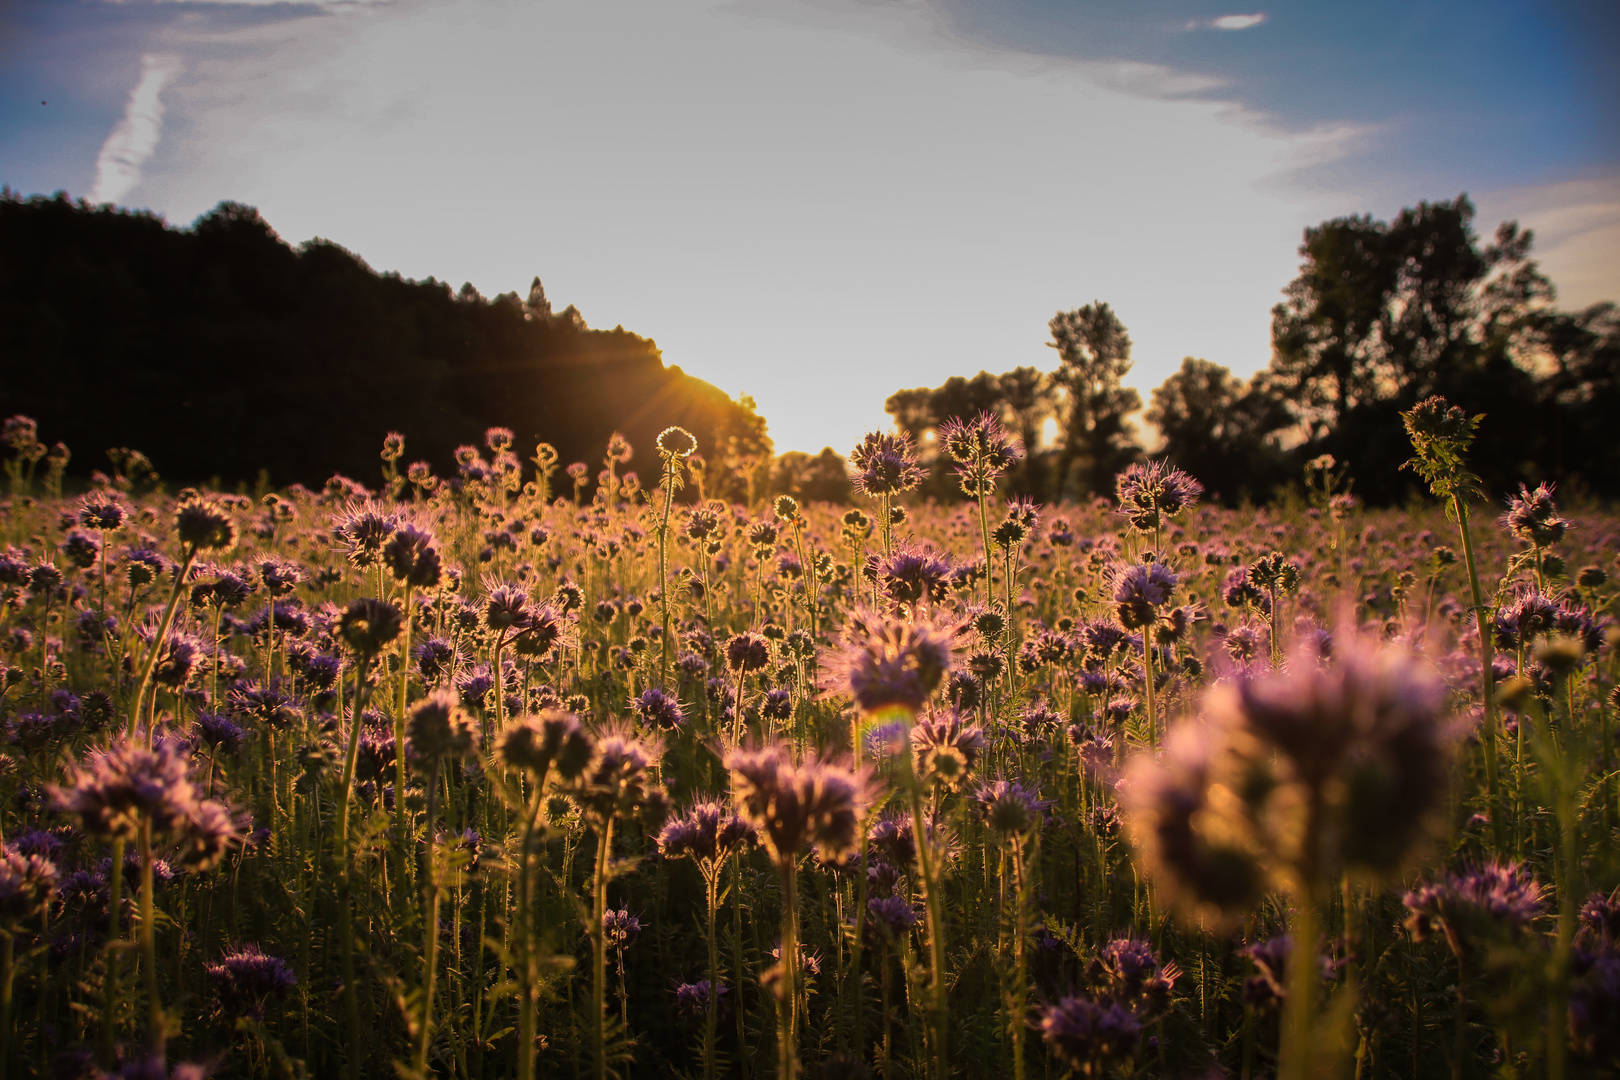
[
  {"x": 132, "y": 141},
  {"x": 1577, "y": 227},
  {"x": 1235, "y": 22}
]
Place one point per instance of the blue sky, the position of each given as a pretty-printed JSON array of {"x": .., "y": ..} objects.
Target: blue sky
[{"x": 819, "y": 202}]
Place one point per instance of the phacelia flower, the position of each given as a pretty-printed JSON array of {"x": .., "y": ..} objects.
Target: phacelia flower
[
  {"x": 246, "y": 982},
  {"x": 1148, "y": 492},
  {"x": 795, "y": 805}
]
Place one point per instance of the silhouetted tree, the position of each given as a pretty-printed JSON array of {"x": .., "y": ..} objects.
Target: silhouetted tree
[
  {"x": 1095, "y": 355},
  {"x": 1222, "y": 430},
  {"x": 221, "y": 350},
  {"x": 823, "y": 477},
  {"x": 1383, "y": 315}
]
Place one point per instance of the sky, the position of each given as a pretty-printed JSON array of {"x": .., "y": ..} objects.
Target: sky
[{"x": 820, "y": 202}]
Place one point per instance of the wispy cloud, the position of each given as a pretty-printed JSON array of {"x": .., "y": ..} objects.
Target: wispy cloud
[
  {"x": 133, "y": 140},
  {"x": 1228, "y": 22}
]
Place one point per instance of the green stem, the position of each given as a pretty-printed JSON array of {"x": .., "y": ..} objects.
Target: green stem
[
  {"x": 351, "y": 1001},
  {"x": 430, "y": 929},
  {"x": 599, "y": 952},
  {"x": 787, "y": 1000},
  {"x": 154, "y": 1004},
  {"x": 115, "y": 901},
  {"x": 1488, "y": 729},
  {"x": 150, "y": 662}
]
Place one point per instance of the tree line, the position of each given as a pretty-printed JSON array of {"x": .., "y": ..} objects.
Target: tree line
[
  {"x": 220, "y": 350},
  {"x": 1381, "y": 315}
]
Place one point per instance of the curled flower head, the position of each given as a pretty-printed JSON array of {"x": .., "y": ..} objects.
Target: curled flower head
[
  {"x": 26, "y": 883},
  {"x": 1533, "y": 518},
  {"x": 615, "y": 783},
  {"x": 620, "y": 928},
  {"x": 693, "y": 1000},
  {"x": 370, "y": 625},
  {"x": 1167, "y": 803},
  {"x": 676, "y": 442},
  {"x": 747, "y": 652},
  {"x": 103, "y": 512},
  {"x": 203, "y": 526},
  {"x": 506, "y": 607},
  {"x": 551, "y": 740},
  {"x": 1519, "y": 622},
  {"x": 797, "y": 805},
  {"x": 1297, "y": 775},
  {"x": 979, "y": 441},
  {"x": 206, "y": 837},
  {"x": 364, "y": 532},
  {"x": 708, "y": 833},
  {"x": 1128, "y": 971},
  {"x": 656, "y": 709},
  {"x": 1150, "y": 491},
  {"x": 890, "y": 662},
  {"x": 888, "y": 920},
  {"x": 884, "y": 464},
  {"x": 913, "y": 575},
  {"x": 547, "y": 628},
  {"x": 1140, "y": 591},
  {"x": 947, "y": 746},
  {"x": 412, "y": 557},
  {"x": 439, "y": 728}
]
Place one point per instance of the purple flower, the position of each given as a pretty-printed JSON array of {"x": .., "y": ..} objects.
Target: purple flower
[
  {"x": 220, "y": 732},
  {"x": 553, "y": 739},
  {"x": 657, "y": 709},
  {"x": 947, "y": 745},
  {"x": 1140, "y": 591},
  {"x": 747, "y": 652},
  {"x": 1128, "y": 971},
  {"x": 114, "y": 789},
  {"x": 708, "y": 833},
  {"x": 692, "y": 1000},
  {"x": 797, "y": 805},
  {"x": 412, "y": 557},
  {"x": 1150, "y": 491},
  {"x": 913, "y": 575},
  {"x": 616, "y": 781},
  {"x": 884, "y": 464},
  {"x": 26, "y": 883},
  {"x": 246, "y": 981},
  {"x": 1010, "y": 808},
  {"x": 102, "y": 511},
  {"x": 888, "y": 662},
  {"x": 620, "y": 928},
  {"x": 1475, "y": 904},
  {"x": 438, "y": 728},
  {"x": 506, "y": 607},
  {"x": 888, "y": 920},
  {"x": 1090, "y": 1037},
  {"x": 1533, "y": 518}
]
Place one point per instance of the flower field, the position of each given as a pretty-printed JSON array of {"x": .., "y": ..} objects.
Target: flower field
[{"x": 518, "y": 772}]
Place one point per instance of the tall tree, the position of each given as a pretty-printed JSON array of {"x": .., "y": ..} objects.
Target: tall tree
[
  {"x": 1221, "y": 429},
  {"x": 1384, "y": 314},
  {"x": 1094, "y": 351},
  {"x": 1324, "y": 332}
]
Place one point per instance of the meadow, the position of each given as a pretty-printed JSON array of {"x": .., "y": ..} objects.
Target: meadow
[{"x": 531, "y": 770}]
